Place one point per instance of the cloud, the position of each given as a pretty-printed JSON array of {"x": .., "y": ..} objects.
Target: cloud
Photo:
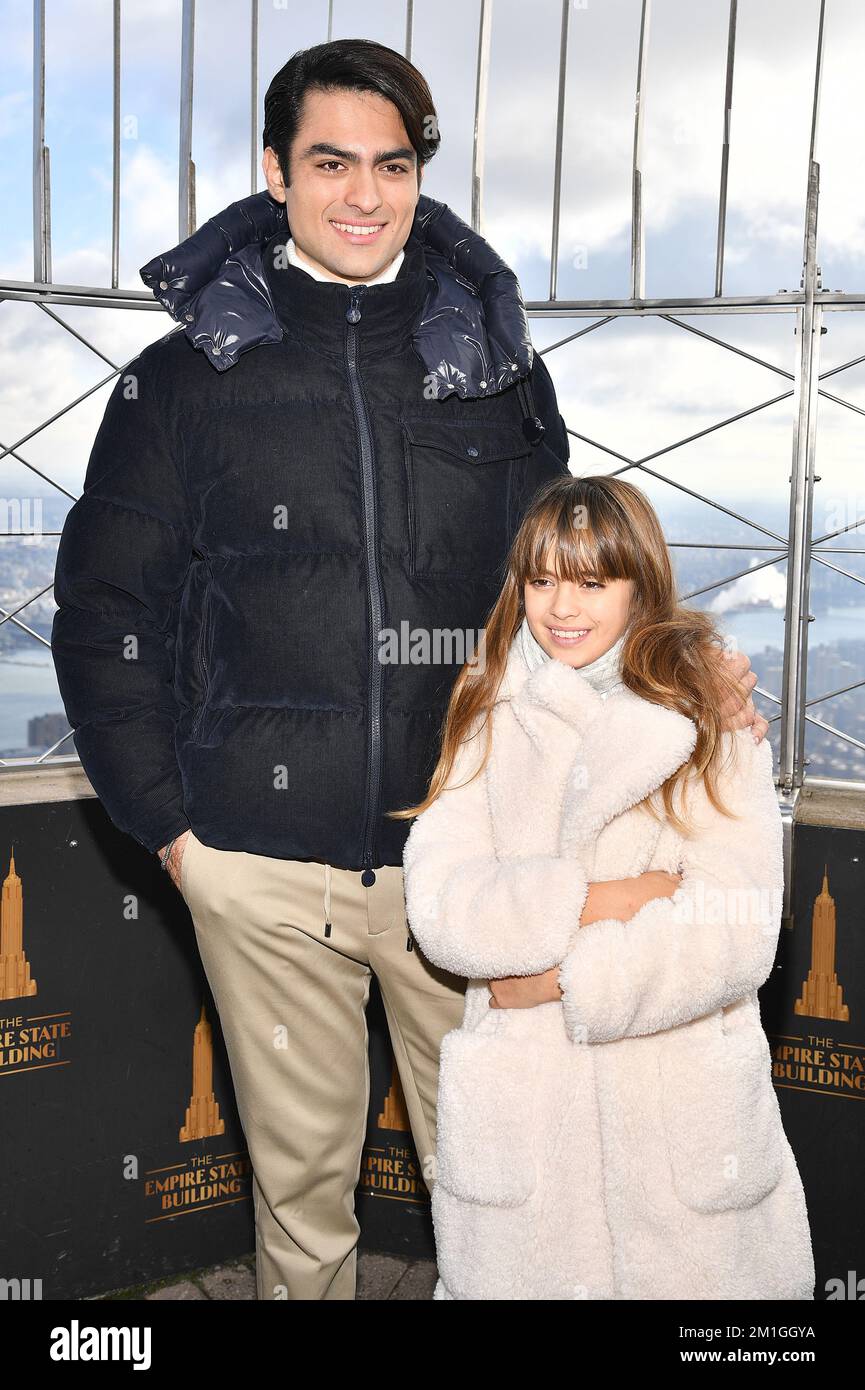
[{"x": 764, "y": 589}]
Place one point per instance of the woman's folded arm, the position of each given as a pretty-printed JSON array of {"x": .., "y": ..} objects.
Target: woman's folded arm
[
  {"x": 471, "y": 913},
  {"x": 711, "y": 943}
]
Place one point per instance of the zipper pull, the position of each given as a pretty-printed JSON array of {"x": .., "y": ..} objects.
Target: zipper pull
[{"x": 352, "y": 313}]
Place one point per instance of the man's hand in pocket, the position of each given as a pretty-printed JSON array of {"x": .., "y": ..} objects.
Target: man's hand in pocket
[{"x": 175, "y": 859}]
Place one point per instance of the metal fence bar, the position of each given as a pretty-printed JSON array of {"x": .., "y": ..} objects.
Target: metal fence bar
[
  {"x": 409, "y": 27},
  {"x": 638, "y": 273},
  {"x": 782, "y": 302},
  {"x": 115, "y": 148},
  {"x": 808, "y": 304},
  {"x": 603, "y": 310},
  {"x": 560, "y": 135},
  {"x": 254, "y": 155},
  {"x": 186, "y": 169},
  {"x": 797, "y": 615},
  {"x": 41, "y": 194},
  {"x": 725, "y": 151},
  {"x": 485, "y": 34}
]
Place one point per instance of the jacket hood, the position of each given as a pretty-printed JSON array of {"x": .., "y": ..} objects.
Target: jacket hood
[{"x": 473, "y": 334}]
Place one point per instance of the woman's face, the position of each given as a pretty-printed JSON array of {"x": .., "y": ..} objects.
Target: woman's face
[{"x": 577, "y": 623}]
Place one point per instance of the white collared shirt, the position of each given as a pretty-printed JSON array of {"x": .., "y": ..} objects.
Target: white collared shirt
[{"x": 389, "y": 273}]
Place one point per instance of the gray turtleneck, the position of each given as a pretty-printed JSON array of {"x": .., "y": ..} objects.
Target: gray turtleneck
[{"x": 604, "y": 674}]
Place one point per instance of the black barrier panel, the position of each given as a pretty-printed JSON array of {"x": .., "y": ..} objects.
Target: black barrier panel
[
  {"x": 123, "y": 1159},
  {"x": 813, "y": 1012}
]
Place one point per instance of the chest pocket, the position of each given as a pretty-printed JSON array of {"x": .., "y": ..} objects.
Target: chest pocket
[{"x": 461, "y": 479}]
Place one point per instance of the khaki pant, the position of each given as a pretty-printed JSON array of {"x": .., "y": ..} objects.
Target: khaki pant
[{"x": 291, "y": 996}]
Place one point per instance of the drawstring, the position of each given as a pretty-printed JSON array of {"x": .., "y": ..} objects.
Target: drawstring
[
  {"x": 328, "y": 925},
  {"x": 533, "y": 427},
  {"x": 327, "y": 921}
]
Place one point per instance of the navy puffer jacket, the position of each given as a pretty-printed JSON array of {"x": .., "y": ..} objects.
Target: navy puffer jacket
[{"x": 239, "y": 584}]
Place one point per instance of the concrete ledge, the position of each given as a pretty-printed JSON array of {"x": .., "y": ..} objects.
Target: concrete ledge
[
  {"x": 61, "y": 780},
  {"x": 841, "y": 809},
  {"x": 57, "y": 781}
]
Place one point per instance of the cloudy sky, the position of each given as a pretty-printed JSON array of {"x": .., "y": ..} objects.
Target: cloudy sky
[{"x": 633, "y": 386}]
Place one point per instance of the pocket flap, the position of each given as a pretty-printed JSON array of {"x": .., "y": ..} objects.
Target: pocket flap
[
  {"x": 470, "y": 443},
  {"x": 485, "y": 1149}
]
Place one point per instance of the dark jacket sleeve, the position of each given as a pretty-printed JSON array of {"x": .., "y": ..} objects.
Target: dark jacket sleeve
[
  {"x": 121, "y": 565},
  {"x": 547, "y": 406}
]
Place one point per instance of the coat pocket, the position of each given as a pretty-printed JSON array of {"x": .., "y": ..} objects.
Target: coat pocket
[
  {"x": 458, "y": 490},
  {"x": 485, "y": 1149},
  {"x": 720, "y": 1114}
]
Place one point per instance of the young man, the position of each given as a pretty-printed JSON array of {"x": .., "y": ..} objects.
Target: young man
[{"x": 252, "y": 524}]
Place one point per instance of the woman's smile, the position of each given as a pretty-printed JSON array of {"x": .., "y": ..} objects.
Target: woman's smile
[{"x": 568, "y": 636}]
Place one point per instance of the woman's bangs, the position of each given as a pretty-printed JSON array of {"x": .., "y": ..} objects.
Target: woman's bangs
[{"x": 579, "y": 552}]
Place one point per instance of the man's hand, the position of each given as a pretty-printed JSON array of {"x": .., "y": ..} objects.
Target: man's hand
[
  {"x": 175, "y": 858},
  {"x": 735, "y": 712}
]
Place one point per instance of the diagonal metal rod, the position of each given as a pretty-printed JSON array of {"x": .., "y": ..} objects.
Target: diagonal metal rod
[
  {"x": 848, "y": 574},
  {"x": 9, "y": 617},
  {"x": 80, "y": 336},
  {"x": 830, "y": 694},
  {"x": 830, "y": 729},
  {"x": 580, "y": 333},
  {"x": 842, "y": 530},
  {"x": 57, "y": 414},
  {"x": 728, "y": 579},
  {"x": 38, "y": 471},
  {"x": 731, "y": 347}
]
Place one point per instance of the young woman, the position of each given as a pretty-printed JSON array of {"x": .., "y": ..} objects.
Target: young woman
[{"x": 602, "y": 859}]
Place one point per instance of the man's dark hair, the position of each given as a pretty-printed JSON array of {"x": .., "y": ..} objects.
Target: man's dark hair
[{"x": 357, "y": 64}]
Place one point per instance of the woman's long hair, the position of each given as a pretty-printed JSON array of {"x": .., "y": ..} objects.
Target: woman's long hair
[{"x": 602, "y": 528}]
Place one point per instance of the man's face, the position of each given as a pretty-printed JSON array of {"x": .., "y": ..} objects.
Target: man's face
[{"x": 351, "y": 162}]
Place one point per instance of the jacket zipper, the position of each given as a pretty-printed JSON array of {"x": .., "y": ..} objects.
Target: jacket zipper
[{"x": 373, "y": 775}]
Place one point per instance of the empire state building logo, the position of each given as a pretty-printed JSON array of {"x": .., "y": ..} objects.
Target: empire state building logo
[
  {"x": 394, "y": 1114},
  {"x": 202, "y": 1112},
  {"x": 15, "y": 978},
  {"x": 822, "y": 996}
]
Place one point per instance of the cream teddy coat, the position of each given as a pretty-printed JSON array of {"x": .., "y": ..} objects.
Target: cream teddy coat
[{"x": 626, "y": 1141}]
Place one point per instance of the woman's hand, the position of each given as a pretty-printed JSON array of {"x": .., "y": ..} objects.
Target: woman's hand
[
  {"x": 619, "y": 898},
  {"x": 525, "y": 991}
]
